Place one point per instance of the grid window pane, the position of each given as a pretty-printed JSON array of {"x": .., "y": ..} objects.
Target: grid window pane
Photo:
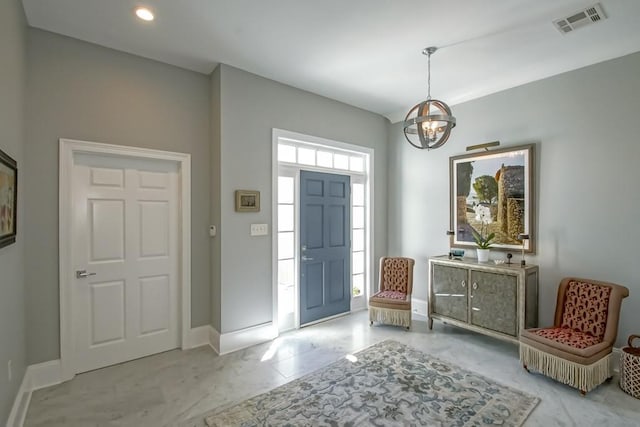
[
  {"x": 358, "y": 217},
  {"x": 286, "y": 302},
  {"x": 286, "y": 290},
  {"x": 285, "y": 189},
  {"x": 358, "y": 240},
  {"x": 306, "y": 156},
  {"x": 286, "y": 153},
  {"x": 285, "y": 272},
  {"x": 325, "y": 159},
  {"x": 356, "y": 164},
  {"x": 357, "y": 265},
  {"x": 358, "y": 284},
  {"x": 340, "y": 161},
  {"x": 285, "y": 245},
  {"x": 285, "y": 217},
  {"x": 358, "y": 194}
]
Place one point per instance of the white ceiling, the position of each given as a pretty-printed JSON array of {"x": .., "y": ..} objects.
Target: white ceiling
[{"x": 366, "y": 53}]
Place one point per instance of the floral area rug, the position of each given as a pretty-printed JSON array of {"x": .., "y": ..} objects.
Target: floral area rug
[{"x": 389, "y": 384}]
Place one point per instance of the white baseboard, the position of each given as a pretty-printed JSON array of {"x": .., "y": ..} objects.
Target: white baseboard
[
  {"x": 199, "y": 336},
  {"x": 244, "y": 338},
  {"x": 205, "y": 335},
  {"x": 36, "y": 376},
  {"x": 20, "y": 403},
  {"x": 418, "y": 309},
  {"x": 45, "y": 374},
  {"x": 214, "y": 339}
]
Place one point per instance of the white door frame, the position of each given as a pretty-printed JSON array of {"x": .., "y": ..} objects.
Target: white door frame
[{"x": 68, "y": 148}]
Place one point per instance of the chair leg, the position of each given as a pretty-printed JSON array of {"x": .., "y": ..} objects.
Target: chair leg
[
  {"x": 525, "y": 367},
  {"x": 583, "y": 393},
  {"x": 371, "y": 323}
]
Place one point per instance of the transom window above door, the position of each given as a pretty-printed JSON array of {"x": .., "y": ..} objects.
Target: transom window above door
[{"x": 322, "y": 157}]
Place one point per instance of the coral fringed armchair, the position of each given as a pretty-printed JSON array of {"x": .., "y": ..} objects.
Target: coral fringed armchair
[
  {"x": 392, "y": 303},
  {"x": 576, "y": 350}
]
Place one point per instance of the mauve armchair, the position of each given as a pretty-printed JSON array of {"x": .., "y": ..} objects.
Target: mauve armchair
[
  {"x": 392, "y": 303},
  {"x": 577, "y": 349}
]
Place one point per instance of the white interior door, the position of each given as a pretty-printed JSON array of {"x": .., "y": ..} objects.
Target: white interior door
[{"x": 125, "y": 237}]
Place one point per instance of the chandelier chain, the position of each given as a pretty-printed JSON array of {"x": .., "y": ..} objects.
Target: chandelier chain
[{"x": 429, "y": 76}]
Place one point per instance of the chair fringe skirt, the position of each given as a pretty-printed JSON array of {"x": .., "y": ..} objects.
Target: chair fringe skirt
[
  {"x": 583, "y": 377},
  {"x": 390, "y": 316}
]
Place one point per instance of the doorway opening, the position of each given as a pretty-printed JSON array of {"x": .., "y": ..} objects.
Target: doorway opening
[{"x": 294, "y": 153}]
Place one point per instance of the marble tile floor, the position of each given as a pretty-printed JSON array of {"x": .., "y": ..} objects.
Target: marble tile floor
[{"x": 178, "y": 388}]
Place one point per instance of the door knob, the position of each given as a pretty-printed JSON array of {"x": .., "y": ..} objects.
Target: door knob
[{"x": 81, "y": 274}]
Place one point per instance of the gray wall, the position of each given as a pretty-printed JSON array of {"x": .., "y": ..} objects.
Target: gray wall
[
  {"x": 13, "y": 47},
  {"x": 82, "y": 91},
  {"x": 586, "y": 127},
  {"x": 251, "y": 107}
]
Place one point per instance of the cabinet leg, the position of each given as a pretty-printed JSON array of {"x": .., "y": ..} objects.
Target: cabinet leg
[{"x": 430, "y": 323}]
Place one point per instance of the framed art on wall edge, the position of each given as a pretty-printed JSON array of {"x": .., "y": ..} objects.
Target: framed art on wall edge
[{"x": 8, "y": 199}]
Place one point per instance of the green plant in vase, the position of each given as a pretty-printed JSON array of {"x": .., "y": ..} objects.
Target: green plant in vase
[{"x": 483, "y": 239}]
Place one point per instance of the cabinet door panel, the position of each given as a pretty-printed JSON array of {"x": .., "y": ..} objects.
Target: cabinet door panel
[
  {"x": 449, "y": 292},
  {"x": 494, "y": 301}
]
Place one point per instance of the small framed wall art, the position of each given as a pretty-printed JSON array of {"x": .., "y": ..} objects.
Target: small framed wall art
[
  {"x": 8, "y": 199},
  {"x": 247, "y": 201}
]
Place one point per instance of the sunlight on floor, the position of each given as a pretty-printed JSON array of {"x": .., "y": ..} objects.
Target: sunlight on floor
[
  {"x": 351, "y": 358},
  {"x": 272, "y": 350}
]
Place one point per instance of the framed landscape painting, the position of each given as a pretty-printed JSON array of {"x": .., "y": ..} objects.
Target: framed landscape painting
[
  {"x": 8, "y": 199},
  {"x": 492, "y": 192}
]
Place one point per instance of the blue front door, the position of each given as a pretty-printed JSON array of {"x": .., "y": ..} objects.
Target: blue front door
[{"x": 325, "y": 245}]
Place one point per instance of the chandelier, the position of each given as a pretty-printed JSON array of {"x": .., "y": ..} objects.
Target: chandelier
[{"x": 429, "y": 123}]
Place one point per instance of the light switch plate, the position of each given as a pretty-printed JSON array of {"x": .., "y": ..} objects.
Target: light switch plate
[{"x": 259, "y": 229}]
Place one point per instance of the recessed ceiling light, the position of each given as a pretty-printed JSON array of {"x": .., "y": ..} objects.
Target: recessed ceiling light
[{"x": 144, "y": 14}]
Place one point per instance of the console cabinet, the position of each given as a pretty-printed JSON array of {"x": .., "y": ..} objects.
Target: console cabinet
[{"x": 496, "y": 300}]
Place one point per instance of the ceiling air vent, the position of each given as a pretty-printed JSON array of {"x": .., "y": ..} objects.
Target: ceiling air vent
[{"x": 587, "y": 16}]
